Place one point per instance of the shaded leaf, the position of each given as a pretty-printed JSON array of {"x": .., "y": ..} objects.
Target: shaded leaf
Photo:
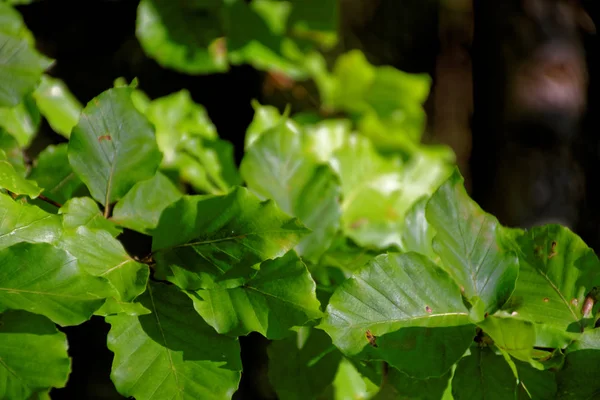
[
  {"x": 303, "y": 365},
  {"x": 84, "y": 211},
  {"x": 58, "y": 105},
  {"x": 280, "y": 296},
  {"x": 21, "y": 67},
  {"x": 401, "y": 386},
  {"x": 535, "y": 384},
  {"x": 21, "y": 222},
  {"x": 207, "y": 242},
  {"x": 579, "y": 377},
  {"x": 53, "y": 172},
  {"x": 277, "y": 167},
  {"x": 13, "y": 152},
  {"x": 113, "y": 146},
  {"x": 46, "y": 280},
  {"x": 141, "y": 207},
  {"x": 469, "y": 243},
  {"x": 403, "y": 309},
  {"x": 483, "y": 375},
  {"x": 171, "y": 351},
  {"x": 169, "y": 33},
  {"x": 514, "y": 336},
  {"x": 99, "y": 254},
  {"x": 33, "y": 355}
]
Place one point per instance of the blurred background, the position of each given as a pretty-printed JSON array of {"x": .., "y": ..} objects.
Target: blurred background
[{"x": 512, "y": 89}]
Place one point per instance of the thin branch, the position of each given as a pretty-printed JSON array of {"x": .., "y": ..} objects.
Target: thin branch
[{"x": 49, "y": 201}]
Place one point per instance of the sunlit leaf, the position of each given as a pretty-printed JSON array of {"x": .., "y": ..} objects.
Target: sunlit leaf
[
  {"x": 113, "y": 146},
  {"x": 280, "y": 296},
  {"x": 33, "y": 355},
  {"x": 58, "y": 105},
  {"x": 84, "y": 211},
  {"x": 113, "y": 306},
  {"x": 21, "y": 222},
  {"x": 402, "y": 309},
  {"x": 22, "y": 121},
  {"x": 99, "y": 254},
  {"x": 45, "y": 280},
  {"x": 21, "y": 67},
  {"x": 469, "y": 242},
  {"x": 349, "y": 384},
  {"x": 277, "y": 166},
  {"x": 12, "y": 181},
  {"x": 208, "y": 242},
  {"x": 169, "y": 33},
  {"x": 171, "y": 351},
  {"x": 141, "y": 207},
  {"x": 557, "y": 272}
]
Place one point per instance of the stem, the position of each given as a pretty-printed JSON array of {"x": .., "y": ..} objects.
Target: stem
[{"x": 49, "y": 201}]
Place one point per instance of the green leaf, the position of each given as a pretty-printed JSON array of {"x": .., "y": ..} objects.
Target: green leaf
[
  {"x": 182, "y": 36},
  {"x": 280, "y": 296},
  {"x": 113, "y": 146},
  {"x": 12, "y": 181},
  {"x": 99, "y": 254},
  {"x": 142, "y": 206},
  {"x": 579, "y": 377},
  {"x": 276, "y": 166},
  {"x": 21, "y": 67},
  {"x": 171, "y": 353},
  {"x": 349, "y": 384},
  {"x": 21, "y": 222},
  {"x": 557, "y": 272},
  {"x": 22, "y": 121},
  {"x": 483, "y": 375},
  {"x": 514, "y": 336},
  {"x": 58, "y": 105},
  {"x": 265, "y": 118},
  {"x": 53, "y": 172},
  {"x": 113, "y": 306},
  {"x": 403, "y": 309},
  {"x": 209, "y": 242},
  {"x": 417, "y": 234},
  {"x": 326, "y": 137},
  {"x": 469, "y": 242},
  {"x": 401, "y": 386},
  {"x": 303, "y": 365},
  {"x": 13, "y": 153},
  {"x": 33, "y": 355},
  {"x": 84, "y": 211},
  {"x": 56, "y": 288},
  {"x": 191, "y": 145},
  {"x": 535, "y": 384},
  {"x": 11, "y": 21}
]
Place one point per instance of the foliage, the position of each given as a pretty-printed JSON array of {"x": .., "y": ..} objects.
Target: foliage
[{"x": 345, "y": 241}]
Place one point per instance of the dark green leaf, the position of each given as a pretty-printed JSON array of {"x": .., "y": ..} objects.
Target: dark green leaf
[
  {"x": 58, "y": 105},
  {"x": 53, "y": 172},
  {"x": 46, "y": 280},
  {"x": 33, "y": 355},
  {"x": 579, "y": 377},
  {"x": 402, "y": 309},
  {"x": 21, "y": 222},
  {"x": 417, "y": 234},
  {"x": 483, "y": 375},
  {"x": 280, "y": 296},
  {"x": 13, "y": 152},
  {"x": 401, "y": 386},
  {"x": 208, "y": 242},
  {"x": 469, "y": 243},
  {"x": 535, "y": 384},
  {"x": 171, "y": 353},
  {"x": 181, "y": 35},
  {"x": 21, "y": 67},
  {"x": 142, "y": 206},
  {"x": 113, "y": 146},
  {"x": 302, "y": 366}
]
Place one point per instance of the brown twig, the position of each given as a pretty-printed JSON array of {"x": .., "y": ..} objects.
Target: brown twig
[{"x": 49, "y": 201}]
